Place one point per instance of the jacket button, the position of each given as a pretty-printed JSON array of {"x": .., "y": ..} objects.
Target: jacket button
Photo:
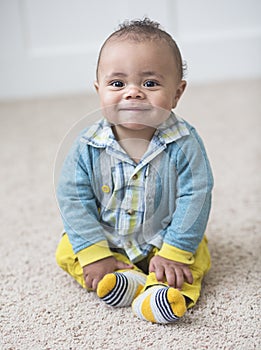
[
  {"x": 105, "y": 189},
  {"x": 134, "y": 177},
  {"x": 129, "y": 244},
  {"x": 130, "y": 211}
]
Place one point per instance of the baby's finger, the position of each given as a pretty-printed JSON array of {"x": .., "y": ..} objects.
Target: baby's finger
[
  {"x": 95, "y": 283},
  {"x": 151, "y": 266},
  {"x": 159, "y": 271},
  {"x": 88, "y": 282},
  {"x": 170, "y": 277},
  {"x": 179, "y": 278},
  {"x": 120, "y": 265},
  {"x": 188, "y": 276}
]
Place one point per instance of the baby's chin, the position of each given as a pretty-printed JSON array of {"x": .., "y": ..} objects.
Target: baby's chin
[{"x": 134, "y": 126}]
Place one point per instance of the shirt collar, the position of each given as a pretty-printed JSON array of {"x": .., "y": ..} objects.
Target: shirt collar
[
  {"x": 99, "y": 135},
  {"x": 172, "y": 129}
]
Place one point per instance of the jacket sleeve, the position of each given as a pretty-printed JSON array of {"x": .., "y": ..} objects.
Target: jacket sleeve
[
  {"x": 193, "y": 199},
  {"x": 79, "y": 207}
]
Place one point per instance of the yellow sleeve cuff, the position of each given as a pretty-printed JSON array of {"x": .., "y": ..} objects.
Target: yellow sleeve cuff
[
  {"x": 172, "y": 253},
  {"x": 94, "y": 253}
]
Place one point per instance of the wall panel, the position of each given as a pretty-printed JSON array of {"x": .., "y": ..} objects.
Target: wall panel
[{"x": 50, "y": 46}]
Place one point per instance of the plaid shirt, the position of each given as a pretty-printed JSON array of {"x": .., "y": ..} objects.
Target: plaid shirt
[{"x": 130, "y": 205}]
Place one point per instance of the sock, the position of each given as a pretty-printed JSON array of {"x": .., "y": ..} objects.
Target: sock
[
  {"x": 159, "y": 304},
  {"x": 121, "y": 288}
]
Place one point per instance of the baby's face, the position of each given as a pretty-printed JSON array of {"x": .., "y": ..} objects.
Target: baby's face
[{"x": 135, "y": 79}]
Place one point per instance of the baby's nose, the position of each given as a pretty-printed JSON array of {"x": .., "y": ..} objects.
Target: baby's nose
[{"x": 133, "y": 92}]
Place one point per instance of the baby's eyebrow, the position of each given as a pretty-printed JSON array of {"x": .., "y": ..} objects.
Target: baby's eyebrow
[
  {"x": 115, "y": 74},
  {"x": 124, "y": 75},
  {"x": 149, "y": 73}
]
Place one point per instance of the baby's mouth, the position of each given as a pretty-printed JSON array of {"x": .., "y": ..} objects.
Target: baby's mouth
[{"x": 134, "y": 108}]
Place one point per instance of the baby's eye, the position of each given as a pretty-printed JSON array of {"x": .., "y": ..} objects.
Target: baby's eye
[
  {"x": 150, "y": 83},
  {"x": 117, "y": 84}
]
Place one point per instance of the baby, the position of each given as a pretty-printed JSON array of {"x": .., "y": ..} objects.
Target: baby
[{"x": 135, "y": 189}]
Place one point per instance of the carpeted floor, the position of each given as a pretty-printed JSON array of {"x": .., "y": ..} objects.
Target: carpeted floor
[{"x": 42, "y": 308}]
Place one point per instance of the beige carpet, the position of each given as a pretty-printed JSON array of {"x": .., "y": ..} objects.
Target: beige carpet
[{"x": 42, "y": 308}]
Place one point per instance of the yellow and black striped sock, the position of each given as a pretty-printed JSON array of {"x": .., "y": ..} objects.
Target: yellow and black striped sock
[
  {"x": 120, "y": 288},
  {"x": 159, "y": 304}
]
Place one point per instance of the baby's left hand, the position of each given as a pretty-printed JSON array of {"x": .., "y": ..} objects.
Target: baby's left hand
[{"x": 175, "y": 273}]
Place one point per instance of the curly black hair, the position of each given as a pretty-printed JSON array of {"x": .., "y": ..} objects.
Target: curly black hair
[{"x": 146, "y": 29}]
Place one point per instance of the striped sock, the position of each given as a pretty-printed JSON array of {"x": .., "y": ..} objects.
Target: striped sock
[
  {"x": 159, "y": 304},
  {"x": 119, "y": 289}
]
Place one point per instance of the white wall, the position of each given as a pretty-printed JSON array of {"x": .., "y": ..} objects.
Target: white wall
[{"x": 50, "y": 46}]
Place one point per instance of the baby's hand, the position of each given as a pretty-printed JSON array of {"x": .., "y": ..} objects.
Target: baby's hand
[
  {"x": 175, "y": 273},
  {"x": 94, "y": 272}
]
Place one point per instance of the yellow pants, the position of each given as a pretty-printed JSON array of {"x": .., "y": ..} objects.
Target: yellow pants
[{"x": 68, "y": 261}]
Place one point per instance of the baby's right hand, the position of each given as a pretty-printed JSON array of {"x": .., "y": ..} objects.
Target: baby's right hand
[{"x": 95, "y": 271}]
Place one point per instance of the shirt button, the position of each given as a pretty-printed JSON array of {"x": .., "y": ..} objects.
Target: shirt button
[
  {"x": 130, "y": 211},
  {"x": 134, "y": 177},
  {"x": 129, "y": 244}
]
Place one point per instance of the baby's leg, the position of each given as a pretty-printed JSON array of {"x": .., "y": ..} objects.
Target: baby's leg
[
  {"x": 116, "y": 289},
  {"x": 201, "y": 266},
  {"x": 68, "y": 261},
  {"x": 160, "y": 303}
]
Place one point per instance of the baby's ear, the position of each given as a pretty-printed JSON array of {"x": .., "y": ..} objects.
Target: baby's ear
[
  {"x": 180, "y": 89},
  {"x": 96, "y": 85}
]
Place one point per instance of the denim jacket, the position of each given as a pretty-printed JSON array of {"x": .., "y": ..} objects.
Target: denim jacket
[{"x": 101, "y": 200}]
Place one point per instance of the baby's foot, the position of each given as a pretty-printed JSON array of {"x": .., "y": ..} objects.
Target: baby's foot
[
  {"x": 159, "y": 304},
  {"x": 119, "y": 289}
]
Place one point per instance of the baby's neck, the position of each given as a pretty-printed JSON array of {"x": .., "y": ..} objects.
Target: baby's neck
[{"x": 134, "y": 142}]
